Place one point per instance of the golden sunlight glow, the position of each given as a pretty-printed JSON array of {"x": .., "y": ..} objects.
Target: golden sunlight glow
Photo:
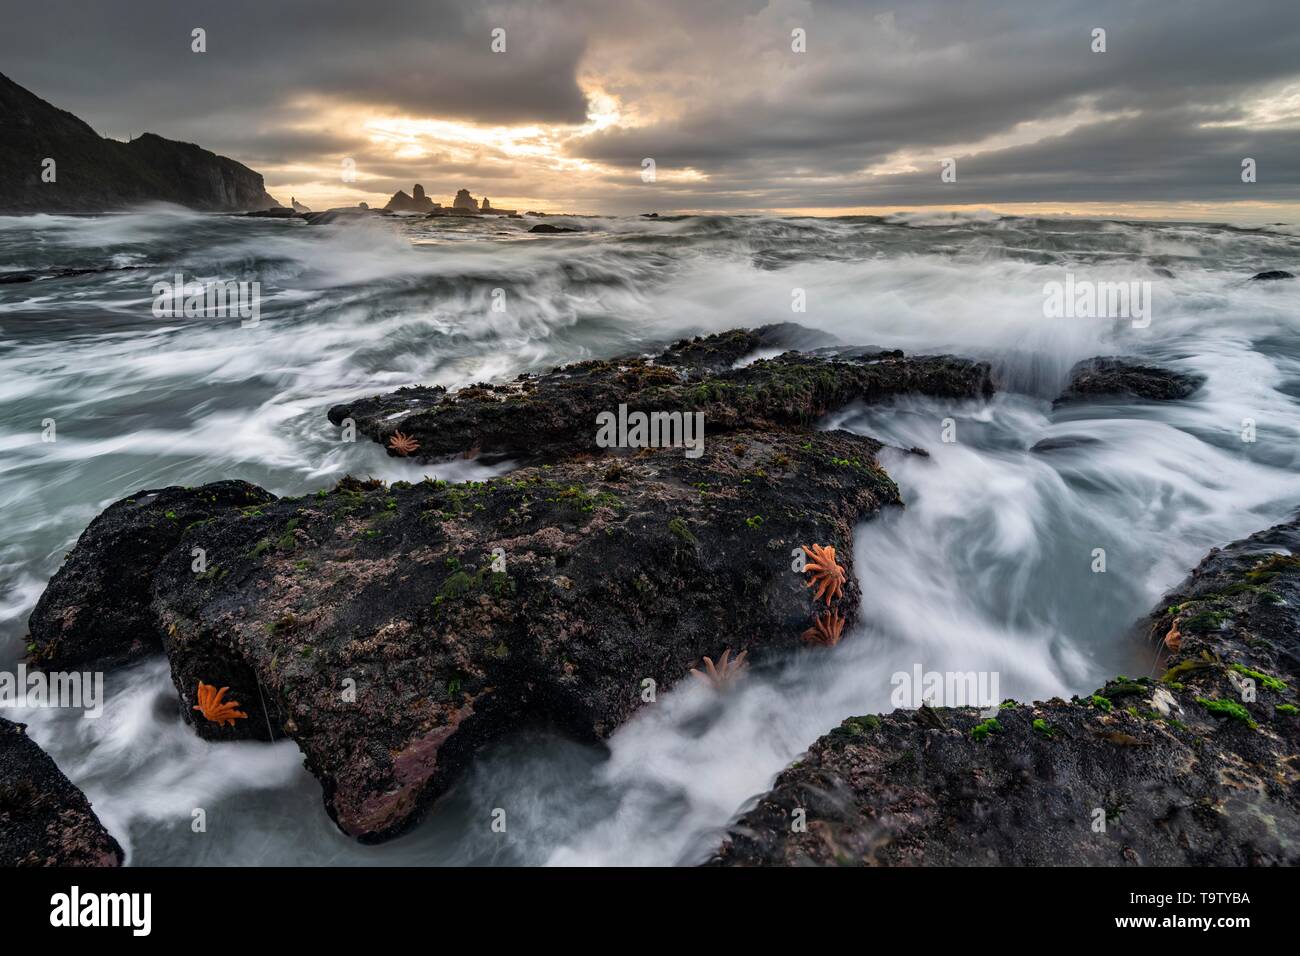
[
  {"x": 537, "y": 166},
  {"x": 501, "y": 161}
]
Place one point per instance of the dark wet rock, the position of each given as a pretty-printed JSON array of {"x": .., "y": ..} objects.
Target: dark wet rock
[
  {"x": 275, "y": 212},
  {"x": 554, "y": 415},
  {"x": 96, "y": 607},
  {"x": 392, "y": 631},
  {"x": 1183, "y": 771},
  {"x": 342, "y": 214},
  {"x": 1163, "y": 272},
  {"x": 1064, "y": 443},
  {"x": 1121, "y": 377},
  {"x": 615, "y": 570},
  {"x": 44, "y": 819},
  {"x": 1272, "y": 275},
  {"x": 548, "y": 229}
]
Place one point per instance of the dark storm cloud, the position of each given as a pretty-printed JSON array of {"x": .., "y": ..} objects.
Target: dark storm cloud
[
  {"x": 923, "y": 77},
  {"x": 733, "y": 117},
  {"x": 129, "y": 64}
]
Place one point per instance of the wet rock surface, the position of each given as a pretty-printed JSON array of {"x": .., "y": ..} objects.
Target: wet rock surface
[
  {"x": 392, "y": 630},
  {"x": 1124, "y": 378},
  {"x": 95, "y": 610},
  {"x": 1272, "y": 275},
  {"x": 1182, "y": 769},
  {"x": 553, "y": 416},
  {"x": 44, "y": 819}
]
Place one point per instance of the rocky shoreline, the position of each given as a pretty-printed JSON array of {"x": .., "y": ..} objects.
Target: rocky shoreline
[
  {"x": 393, "y": 630},
  {"x": 1179, "y": 770}
]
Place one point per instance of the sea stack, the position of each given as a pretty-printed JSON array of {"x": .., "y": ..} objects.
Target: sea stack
[{"x": 416, "y": 202}]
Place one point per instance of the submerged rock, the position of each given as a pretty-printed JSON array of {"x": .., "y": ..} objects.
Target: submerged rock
[
  {"x": 1180, "y": 770},
  {"x": 547, "y": 228},
  {"x": 341, "y": 214},
  {"x": 1063, "y": 443},
  {"x": 275, "y": 212},
  {"x": 1272, "y": 275},
  {"x": 391, "y": 631},
  {"x": 44, "y": 819},
  {"x": 1114, "y": 376}
]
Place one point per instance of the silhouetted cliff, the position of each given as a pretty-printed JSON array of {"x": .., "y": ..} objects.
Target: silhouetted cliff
[{"x": 94, "y": 174}]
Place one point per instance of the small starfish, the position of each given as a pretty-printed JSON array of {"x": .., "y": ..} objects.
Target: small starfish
[
  {"x": 826, "y": 630},
  {"x": 1174, "y": 639},
  {"x": 214, "y": 708},
  {"x": 403, "y": 444},
  {"x": 827, "y": 575},
  {"x": 726, "y": 671}
]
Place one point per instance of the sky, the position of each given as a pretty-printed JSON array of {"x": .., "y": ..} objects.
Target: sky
[{"x": 790, "y": 106}]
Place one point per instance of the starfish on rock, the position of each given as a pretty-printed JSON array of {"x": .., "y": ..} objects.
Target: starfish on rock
[
  {"x": 214, "y": 708},
  {"x": 403, "y": 444},
  {"x": 827, "y": 575},
  {"x": 726, "y": 671},
  {"x": 826, "y": 630}
]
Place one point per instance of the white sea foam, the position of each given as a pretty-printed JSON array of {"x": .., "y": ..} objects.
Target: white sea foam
[{"x": 987, "y": 567}]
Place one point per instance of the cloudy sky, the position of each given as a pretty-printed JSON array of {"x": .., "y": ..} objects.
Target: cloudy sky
[{"x": 712, "y": 91}]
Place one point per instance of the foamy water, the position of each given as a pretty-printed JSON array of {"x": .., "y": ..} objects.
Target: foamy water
[{"x": 987, "y": 568}]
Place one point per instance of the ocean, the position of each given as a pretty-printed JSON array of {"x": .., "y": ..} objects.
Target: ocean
[{"x": 990, "y": 566}]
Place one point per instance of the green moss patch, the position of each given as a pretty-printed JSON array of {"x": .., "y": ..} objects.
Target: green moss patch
[{"x": 1227, "y": 708}]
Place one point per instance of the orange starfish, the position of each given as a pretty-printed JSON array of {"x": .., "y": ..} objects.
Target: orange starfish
[
  {"x": 826, "y": 630},
  {"x": 827, "y": 575},
  {"x": 403, "y": 444},
  {"x": 214, "y": 708},
  {"x": 725, "y": 672},
  {"x": 1174, "y": 639}
]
